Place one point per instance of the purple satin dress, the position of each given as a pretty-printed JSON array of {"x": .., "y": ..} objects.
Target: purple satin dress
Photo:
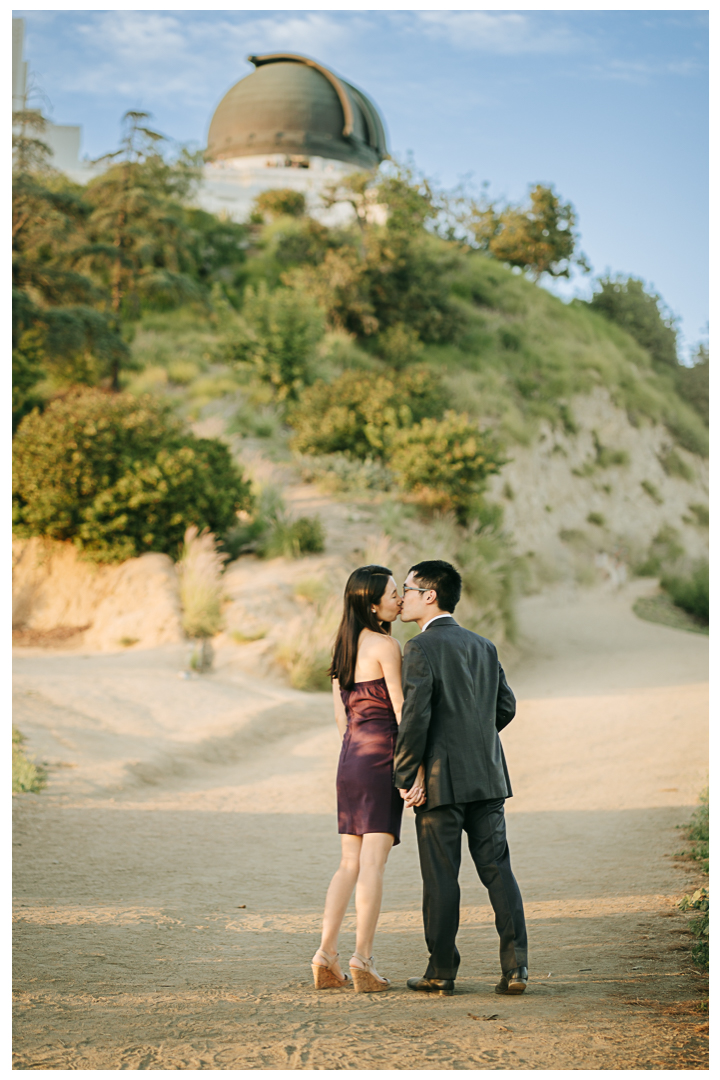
[{"x": 367, "y": 800}]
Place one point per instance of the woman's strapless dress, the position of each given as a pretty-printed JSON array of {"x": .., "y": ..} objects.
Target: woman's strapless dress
[{"x": 367, "y": 800}]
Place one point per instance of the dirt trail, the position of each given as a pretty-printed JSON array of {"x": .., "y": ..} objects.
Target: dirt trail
[{"x": 170, "y": 879}]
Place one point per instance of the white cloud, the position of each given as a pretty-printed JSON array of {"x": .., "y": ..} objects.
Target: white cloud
[
  {"x": 506, "y": 33},
  {"x": 163, "y": 56}
]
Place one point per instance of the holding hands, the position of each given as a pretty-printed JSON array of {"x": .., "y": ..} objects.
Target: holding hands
[{"x": 415, "y": 796}]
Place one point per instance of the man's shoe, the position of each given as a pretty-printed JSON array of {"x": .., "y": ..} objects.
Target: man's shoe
[
  {"x": 443, "y": 987},
  {"x": 513, "y": 982}
]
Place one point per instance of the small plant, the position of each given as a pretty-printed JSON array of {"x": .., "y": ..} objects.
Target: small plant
[
  {"x": 201, "y": 593},
  {"x": 339, "y": 472},
  {"x": 700, "y": 925},
  {"x": 701, "y": 513},
  {"x": 606, "y": 458},
  {"x": 690, "y": 592},
  {"x": 26, "y": 775},
  {"x": 594, "y": 518},
  {"x": 304, "y": 536},
  {"x": 650, "y": 489},
  {"x": 674, "y": 465}
]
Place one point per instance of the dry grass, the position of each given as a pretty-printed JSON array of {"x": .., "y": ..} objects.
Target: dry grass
[{"x": 201, "y": 588}]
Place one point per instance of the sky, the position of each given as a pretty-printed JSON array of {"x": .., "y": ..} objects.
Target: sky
[{"x": 610, "y": 107}]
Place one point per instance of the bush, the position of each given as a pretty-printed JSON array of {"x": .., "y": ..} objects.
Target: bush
[
  {"x": 359, "y": 414},
  {"x": 119, "y": 476},
  {"x": 304, "y": 536},
  {"x": 691, "y": 593},
  {"x": 445, "y": 463},
  {"x": 625, "y": 301},
  {"x": 664, "y": 550},
  {"x": 278, "y": 337}
]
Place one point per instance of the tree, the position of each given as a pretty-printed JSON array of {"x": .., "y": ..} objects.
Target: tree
[
  {"x": 140, "y": 247},
  {"x": 627, "y": 302},
  {"x": 540, "y": 238},
  {"x": 59, "y": 335},
  {"x": 30, "y": 153}
]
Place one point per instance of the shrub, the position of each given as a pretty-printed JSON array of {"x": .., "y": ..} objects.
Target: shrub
[
  {"x": 279, "y": 336},
  {"x": 304, "y": 536},
  {"x": 595, "y": 519},
  {"x": 201, "y": 591},
  {"x": 650, "y": 489},
  {"x": 358, "y": 414},
  {"x": 664, "y": 550},
  {"x": 26, "y": 775},
  {"x": 445, "y": 463},
  {"x": 119, "y": 476},
  {"x": 691, "y": 592},
  {"x": 674, "y": 465}
]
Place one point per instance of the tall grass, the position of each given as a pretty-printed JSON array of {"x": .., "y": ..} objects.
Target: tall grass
[
  {"x": 201, "y": 588},
  {"x": 303, "y": 651}
]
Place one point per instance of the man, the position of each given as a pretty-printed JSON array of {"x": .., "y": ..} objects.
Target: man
[{"x": 456, "y": 702}]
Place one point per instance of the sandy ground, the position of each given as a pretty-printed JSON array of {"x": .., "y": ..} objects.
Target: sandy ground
[{"x": 170, "y": 878}]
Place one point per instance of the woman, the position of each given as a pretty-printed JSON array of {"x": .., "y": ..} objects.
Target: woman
[{"x": 367, "y": 694}]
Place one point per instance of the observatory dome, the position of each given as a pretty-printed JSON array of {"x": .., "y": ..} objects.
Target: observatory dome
[{"x": 294, "y": 106}]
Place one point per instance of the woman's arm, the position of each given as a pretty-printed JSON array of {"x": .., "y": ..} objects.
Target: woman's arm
[
  {"x": 390, "y": 658},
  {"x": 340, "y": 714}
]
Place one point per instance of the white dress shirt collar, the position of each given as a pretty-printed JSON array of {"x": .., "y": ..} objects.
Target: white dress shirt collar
[{"x": 444, "y": 615}]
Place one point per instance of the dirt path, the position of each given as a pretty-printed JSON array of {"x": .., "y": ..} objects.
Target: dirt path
[{"x": 170, "y": 879}]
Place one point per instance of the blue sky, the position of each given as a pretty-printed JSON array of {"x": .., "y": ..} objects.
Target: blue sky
[{"x": 609, "y": 106}]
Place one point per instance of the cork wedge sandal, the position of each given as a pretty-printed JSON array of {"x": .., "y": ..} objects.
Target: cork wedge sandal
[
  {"x": 325, "y": 979},
  {"x": 366, "y": 979}
]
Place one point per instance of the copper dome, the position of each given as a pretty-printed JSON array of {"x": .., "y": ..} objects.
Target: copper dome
[{"x": 292, "y": 105}]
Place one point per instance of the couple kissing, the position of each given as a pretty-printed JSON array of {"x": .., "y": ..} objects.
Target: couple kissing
[{"x": 418, "y": 729}]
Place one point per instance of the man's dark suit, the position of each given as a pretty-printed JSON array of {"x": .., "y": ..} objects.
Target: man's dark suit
[{"x": 456, "y": 701}]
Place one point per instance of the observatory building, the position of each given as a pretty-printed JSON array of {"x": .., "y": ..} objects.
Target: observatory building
[{"x": 291, "y": 123}]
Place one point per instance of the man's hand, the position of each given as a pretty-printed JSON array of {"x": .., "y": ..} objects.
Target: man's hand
[{"x": 414, "y": 796}]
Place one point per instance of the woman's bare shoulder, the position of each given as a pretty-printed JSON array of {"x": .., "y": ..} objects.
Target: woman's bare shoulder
[{"x": 382, "y": 645}]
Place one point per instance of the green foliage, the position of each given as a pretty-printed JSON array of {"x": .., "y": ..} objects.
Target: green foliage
[
  {"x": 595, "y": 518},
  {"x": 118, "y": 476},
  {"x": 539, "y": 238},
  {"x": 201, "y": 590},
  {"x": 26, "y": 775},
  {"x": 674, "y": 465},
  {"x": 445, "y": 463},
  {"x": 303, "y": 536},
  {"x": 701, "y": 513},
  {"x": 278, "y": 338},
  {"x": 691, "y": 592},
  {"x": 650, "y": 489},
  {"x": 626, "y": 302},
  {"x": 694, "y": 383},
  {"x": 399, "y": 345},
  {"x": 665, "y": 549},
  {"x": 697, "y": 831},
  {"x": 27, "y": 372},
  {"x": 278, "y": 202},
  {"x": 358, "y": 414}
]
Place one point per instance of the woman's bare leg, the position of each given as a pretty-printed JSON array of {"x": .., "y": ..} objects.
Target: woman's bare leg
[
  {"x": 368, "y": 894},
  {"x": 338, "y": 897}
]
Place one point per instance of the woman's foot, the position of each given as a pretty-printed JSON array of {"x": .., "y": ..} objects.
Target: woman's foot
[
  {"x": 365, "y": 978},
  {"x": 327, "y": 972}
]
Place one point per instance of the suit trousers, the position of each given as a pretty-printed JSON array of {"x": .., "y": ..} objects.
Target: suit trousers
[{"x": 439, "y": 833}]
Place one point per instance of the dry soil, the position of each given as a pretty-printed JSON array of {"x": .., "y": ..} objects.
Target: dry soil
[{"x": 170, "y": 878}]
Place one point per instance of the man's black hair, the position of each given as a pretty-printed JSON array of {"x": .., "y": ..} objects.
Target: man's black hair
[{"x": 443, "y": 578}]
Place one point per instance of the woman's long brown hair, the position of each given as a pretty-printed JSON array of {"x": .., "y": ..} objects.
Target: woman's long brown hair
[{"x": 365, "y": 587}]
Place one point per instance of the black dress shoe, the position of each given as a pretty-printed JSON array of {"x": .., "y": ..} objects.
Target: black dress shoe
[
  {"x": 443, "y": 987},
  {"x": 513, "y": 982}
]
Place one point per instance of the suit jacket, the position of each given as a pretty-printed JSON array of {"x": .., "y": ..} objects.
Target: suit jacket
[{"x": 456, "y": 701}]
